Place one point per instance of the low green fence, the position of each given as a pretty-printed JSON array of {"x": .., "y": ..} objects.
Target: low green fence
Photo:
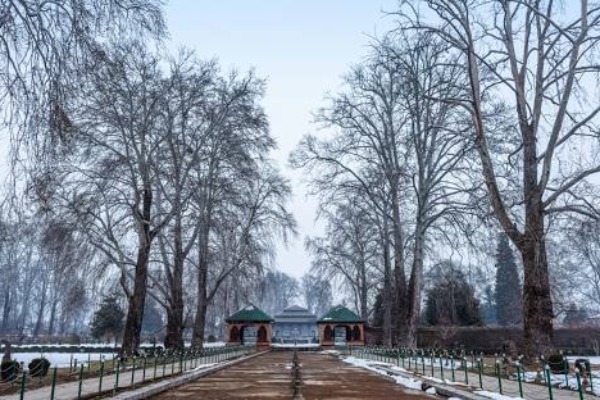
[
  {"x": 110, "y": 375},
  {"x": 495, "y": 373}
]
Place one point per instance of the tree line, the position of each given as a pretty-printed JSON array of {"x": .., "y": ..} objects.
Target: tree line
[
  {"x": 135, "y": 172},
  {"x": 468, "y": 117}
]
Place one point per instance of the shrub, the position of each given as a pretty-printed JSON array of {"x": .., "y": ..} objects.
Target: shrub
[
  {"x": 558, "y": 363},
  {"x": 38, "y": 367},
  {"x": 583, "y": 365},
  {"x": 9, "y": 370},
  {"x": 212, "y": 339}
]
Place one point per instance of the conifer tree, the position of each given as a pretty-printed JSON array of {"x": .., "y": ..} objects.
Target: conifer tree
[
  {"x": 108, "y": 319},
  {"x": 508, "y": 285}
]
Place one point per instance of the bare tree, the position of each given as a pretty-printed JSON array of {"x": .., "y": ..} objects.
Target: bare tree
[
  {"x": 46, "y": 46},
  {"x": 243, "y": 228},
  {"x": 541, "y": 59},
  {"x": 403, "y": 148},
  {"x": 317, "y": 291},
  {"x": 351, "y": 252},
  {"x": 114, "y": 180}
]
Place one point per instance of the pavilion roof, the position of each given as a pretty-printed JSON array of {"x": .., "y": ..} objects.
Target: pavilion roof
[
  {"x": 340, "y": 314},
  {"x": 250, "y": 313}
]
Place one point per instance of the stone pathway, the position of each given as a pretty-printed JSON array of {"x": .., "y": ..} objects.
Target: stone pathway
[{"x": 270, "y": 377}]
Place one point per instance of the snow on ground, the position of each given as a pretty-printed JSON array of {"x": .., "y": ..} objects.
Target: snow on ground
[
  {"x": 297, "y": 345},
  {"x": 214, "y": 344},
  {"x": 203, "y": 366},
  {"x": 431, "y": 390},
  {"x": 495, "y": 396},
  {"x": 61, "y": 360},
  {"x": 367, "y": 364},
  {"x": 593, "y": 360}
]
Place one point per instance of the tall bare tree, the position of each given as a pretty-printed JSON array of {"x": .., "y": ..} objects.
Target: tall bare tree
[
  {"x": 114, "y": 181},
  {"x": 46, "y": 45},
  {"x": 540, "y": 59}
]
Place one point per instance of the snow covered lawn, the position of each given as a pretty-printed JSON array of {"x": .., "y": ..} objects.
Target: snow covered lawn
[{"x": 62, "y": 360}]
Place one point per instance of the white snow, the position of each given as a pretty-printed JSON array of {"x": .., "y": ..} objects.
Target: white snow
[
  {"x": 292, "y": 345},
  {"x": 61, "y": 360},
  {"x": 214, "y": 344},
  {"x": 593, "y": 360},
  {"x": 495, "y": 396},
  {"x": 369, "y": 365},
  {"x": 431, "y": 390}
]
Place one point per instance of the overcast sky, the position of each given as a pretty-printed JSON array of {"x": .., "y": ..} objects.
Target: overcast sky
[{"x": 302, "y": 47}]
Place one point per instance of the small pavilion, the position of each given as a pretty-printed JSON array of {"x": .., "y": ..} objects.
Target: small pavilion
[
  {"x": 249, "y": 326},
  {"x": 340, "y": 326}
]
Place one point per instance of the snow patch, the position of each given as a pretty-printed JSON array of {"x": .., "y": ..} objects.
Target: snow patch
[
  {"x": 495, "y": 396},
  {"x": 369, "y": 365}
]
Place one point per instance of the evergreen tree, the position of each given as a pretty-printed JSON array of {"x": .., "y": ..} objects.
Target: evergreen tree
[
  {"x": 108, "y": 319},
  {"x": 451, "y": 300},
  {"x": 508, "y": 286}
]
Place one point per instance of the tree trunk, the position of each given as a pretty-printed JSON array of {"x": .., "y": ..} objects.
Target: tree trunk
[
  {"x": 174, "y": 336},
  {"x": 414, "y": 288},
  {"x": 401, "y": 307},
  {"x": 6, "y": 310},
  {"x": 364, "y": 295},
  {"x": 200, "y": 320},
  {"x": 52, "y": 320},
  {"x": 537, "y": 302},
  {"x": 387, "y": 297},
  {"x": 202, "y": 304},
  {"x": 40, "y": 317},
  {"x": 135, "y": 311}
]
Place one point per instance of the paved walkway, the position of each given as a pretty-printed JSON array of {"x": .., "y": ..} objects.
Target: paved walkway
[{"x": 270, "y": 377}]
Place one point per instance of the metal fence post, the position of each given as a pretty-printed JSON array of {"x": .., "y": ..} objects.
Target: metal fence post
[
  {"x": 566, "y": 370},
  {"x": 117, "y": 376},
  {"x": 549, "y": 381},
  {"x": 53, "y": 388},
  {"x": 101, "y": 377},
  {"x": 499, "y": 377},
  {"x": 579, "y": 388},
  {"x": 80, "y": 381},
  {"x": 480, "y": 369},
  {"x": 465, "y": 367},
  {"x": 144, "y": 370},
  {"x": 519, "y": 378},
  {"x": 133, "y": 373},
  {"x": 23, "y": 382}
]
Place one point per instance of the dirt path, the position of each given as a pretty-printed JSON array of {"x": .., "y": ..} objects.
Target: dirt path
[{"x": 270, "y": 377}]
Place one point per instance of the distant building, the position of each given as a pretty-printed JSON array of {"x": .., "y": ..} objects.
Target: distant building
[{"x": 295, "y": 325}]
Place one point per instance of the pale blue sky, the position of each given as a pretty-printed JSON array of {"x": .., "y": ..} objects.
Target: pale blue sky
[{"x": 302, "y": 47}]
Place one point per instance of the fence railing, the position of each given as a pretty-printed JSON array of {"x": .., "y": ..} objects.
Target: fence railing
[
  {"x": 495, "y": 373},
  {"x": 109, "y": 375}
]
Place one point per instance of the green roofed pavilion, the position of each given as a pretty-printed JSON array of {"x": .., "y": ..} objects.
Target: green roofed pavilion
[
  {"x": 250, "y": 313},
  {"x": 340, "y": 326},
  {"x": 340, "y": 314}
]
